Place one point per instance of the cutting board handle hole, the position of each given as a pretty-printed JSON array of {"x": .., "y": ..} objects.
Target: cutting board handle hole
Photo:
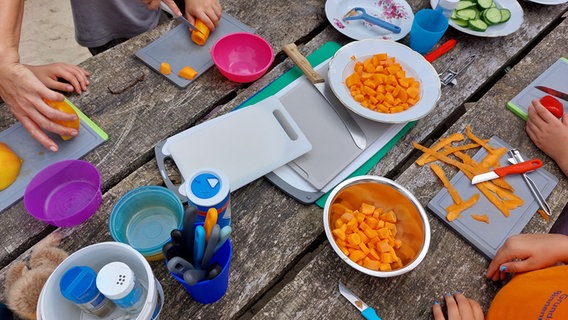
[{"x": 292, "y": 134}]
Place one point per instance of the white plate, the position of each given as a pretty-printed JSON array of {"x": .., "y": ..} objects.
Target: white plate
[
  {"x": 548, "y": 2},
  {"x": 342, "y": 63},
  {"x": 498, "y": 30},
  {"x": 397, "y": 12}
]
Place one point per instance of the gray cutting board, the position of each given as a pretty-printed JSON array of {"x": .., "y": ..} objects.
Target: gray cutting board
[
  {"x": 36, "y": 157},
  {"x": 333, "y": 148},
  {"x": 554, "y": 77},
  {"x": 487, "y": 238},
  {"x": 176, "y": 48},
  {"x": 244, "y": 144}
]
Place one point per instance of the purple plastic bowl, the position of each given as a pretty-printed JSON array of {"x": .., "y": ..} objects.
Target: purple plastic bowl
[
  {"x": 242, "y": 57},
  {"x": 65, "y": 193}
]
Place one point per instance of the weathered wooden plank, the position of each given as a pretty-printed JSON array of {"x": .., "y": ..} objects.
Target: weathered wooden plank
[{"x": 451, "y": 264}]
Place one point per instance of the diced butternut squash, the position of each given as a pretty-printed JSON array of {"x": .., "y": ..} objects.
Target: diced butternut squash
[
  {"x": 165, "y": 68},
  {"x": 187, "y": 73},
  {"x": 200, "y": 37},
  {"x": 367, "y": 236},
  {"x": 381, "y": 78}
]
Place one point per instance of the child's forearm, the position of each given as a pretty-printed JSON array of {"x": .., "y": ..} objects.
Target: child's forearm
[{"x": 11, "y": 16}]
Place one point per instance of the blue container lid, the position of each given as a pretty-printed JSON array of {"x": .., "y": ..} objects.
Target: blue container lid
[
  {"x": 207, "y": 188},
  {"x": 78, "y": 284}
]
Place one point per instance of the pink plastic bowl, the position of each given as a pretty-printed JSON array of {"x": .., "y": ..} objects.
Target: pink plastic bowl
[
  {"x": 64, "y": 194},
  {"x": 242, "y": 57}
]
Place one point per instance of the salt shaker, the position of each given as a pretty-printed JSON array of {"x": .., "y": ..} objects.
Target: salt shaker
[
  {"x": 447, "y": 7},
  {"x": 119, "y": 283}
]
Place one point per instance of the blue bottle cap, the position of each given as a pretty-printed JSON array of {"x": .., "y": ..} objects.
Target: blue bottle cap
[
  {"x": 207, "y": 188},
  {"x": 78, "y": 284}
]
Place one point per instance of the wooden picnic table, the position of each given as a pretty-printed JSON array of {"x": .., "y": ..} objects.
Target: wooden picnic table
[{"x": 283, "y": 266}]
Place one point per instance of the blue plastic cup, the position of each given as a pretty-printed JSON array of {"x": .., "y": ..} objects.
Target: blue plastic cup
[
  {"x": 209, "y": 291},
  {"x": 428, "y": 27}
]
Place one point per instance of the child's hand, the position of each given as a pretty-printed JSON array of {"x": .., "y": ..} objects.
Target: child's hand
[
  {"x": 208, "y": 11},
  {"x": 50, "y": 74},
  {"x": 528, "y": 252},
  {"x": 548, "y": 133},
  {"x": 459, "y": 308}
]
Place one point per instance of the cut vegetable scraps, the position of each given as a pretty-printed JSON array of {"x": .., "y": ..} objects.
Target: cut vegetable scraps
[{"x": 497, "y": 191}]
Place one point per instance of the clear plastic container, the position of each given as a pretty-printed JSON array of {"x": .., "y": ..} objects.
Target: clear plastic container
[
  {"x": 119, "y": 283},
  {"x": 446, "y": 7},
  {"x": 78, "y": 284}
]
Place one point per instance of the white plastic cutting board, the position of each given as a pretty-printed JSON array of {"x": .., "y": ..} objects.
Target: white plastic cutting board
[{"x": 245, "y": 144}]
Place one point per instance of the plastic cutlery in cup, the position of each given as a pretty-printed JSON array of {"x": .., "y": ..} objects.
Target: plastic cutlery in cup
[
  {"x": 187, "y": 233},
  {"x": 193, "y": 276},
  {"x": 198, "y": 246},
  {"x": 211, "y": 245},
  {"x": 178, "y": 266},
  {"x": 210, "y": 221},
  {"x": 223, "y": 236},
  {"x": 171, "y": 250}
]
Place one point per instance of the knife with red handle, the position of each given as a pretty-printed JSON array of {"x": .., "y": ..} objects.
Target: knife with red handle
[
  {"x": 438, "y": 52},
  {"x": 518, "y": 168}
]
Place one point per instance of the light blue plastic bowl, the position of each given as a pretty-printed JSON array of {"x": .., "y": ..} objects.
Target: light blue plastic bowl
[{"x": 144, "y": 218}]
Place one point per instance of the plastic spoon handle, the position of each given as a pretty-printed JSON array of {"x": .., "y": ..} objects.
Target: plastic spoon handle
[
  {"x": 224, "y": 235},
  {"x": 211, "y": 244},
  {"x": 362, "y": 15},
  {"x": 381, "y": 23},
  {"x": 519, "y": 168},
  {"x": 179, "y": 266},
  {"x": 210, "y": 221},
  {"x": 187, "y": 233},
  {"x": 193, "y": 276},
  {"x": 198, "y": 246}
]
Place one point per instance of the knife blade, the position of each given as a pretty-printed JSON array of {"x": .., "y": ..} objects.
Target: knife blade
[
  {"x": 318, "y": 81},
  {"x": 181, "y": 18},
  {"x": 553, "y": 92},
  {"x": 367, "y": 312},
  {"x": 521, "y": 167}
]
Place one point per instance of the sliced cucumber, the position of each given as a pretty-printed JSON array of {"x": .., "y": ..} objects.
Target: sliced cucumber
[
  {"x": 461, "y": 22},
  {"x": 464, "y": 4},
  {"x": 505, "y": 15},
  {"x": 477, "y": 25},
  {"x": 492, "y": 15},
  {"x": 489, "y": 23},
  {"x": 467, "y": 14},
  {"x": 484, "y": 4}
]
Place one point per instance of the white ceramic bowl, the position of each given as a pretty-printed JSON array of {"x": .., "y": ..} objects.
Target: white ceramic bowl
[
  {"x": 342, "y": 63},
  {"x": 412, "y": 223}
]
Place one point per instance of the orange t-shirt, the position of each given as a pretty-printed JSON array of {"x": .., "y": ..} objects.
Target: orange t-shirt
[{"x": 538, "y": 295}]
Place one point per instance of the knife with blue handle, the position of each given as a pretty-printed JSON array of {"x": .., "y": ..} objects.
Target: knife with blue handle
[{"x": 366, "y": 311}]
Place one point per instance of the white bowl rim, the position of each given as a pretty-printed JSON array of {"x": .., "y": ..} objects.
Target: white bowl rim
[{"x": 406, "y": 192}]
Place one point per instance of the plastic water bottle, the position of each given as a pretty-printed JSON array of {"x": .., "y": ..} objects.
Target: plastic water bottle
[
  {"x": 78, "y": 285},
  {"x": 119, "y": 283},
  {"x": 447, "y": 7}
]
